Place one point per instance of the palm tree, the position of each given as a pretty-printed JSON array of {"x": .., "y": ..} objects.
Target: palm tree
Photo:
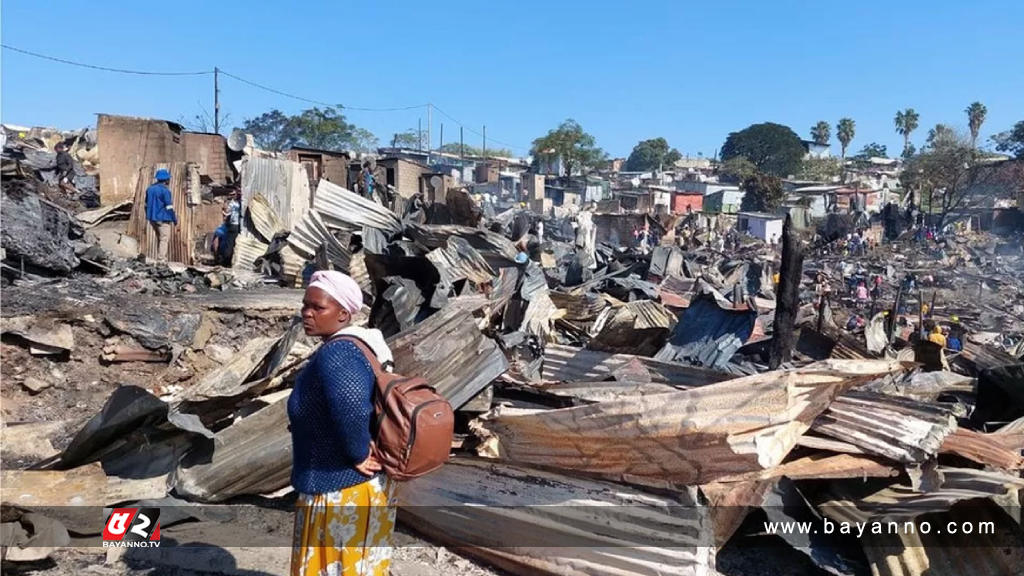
[
  {"x": 821, "y": 132},
  {"x": 975, "y": 118},
  {"x": 906, "y": 122},
  {"x": 845, "y": 131}
]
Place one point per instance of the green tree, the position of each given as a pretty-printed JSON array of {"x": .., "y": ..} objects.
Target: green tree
[
  {"x": 577, "y": 149},
  {"x": 846, "y": 129},
  {"x": 954, "y": 175},
  {"x": 821, "y": 133},
  {"x": 1011, "y": 141},
  {"x": 873, "y": 150},
  {"x": 762, "y": 193},
  {"x": 324, "y": 128},
  {"x": 772, "y": 148},
  {"x": 411, "y": 138},
  {"x": 456, "y": 148},
  {"x": 736, "y": 169},
  {"x": 906, "y": 122},
  {"x": 941, "y": 136},
  {"x": 363, "y": 140},
  {"x": 909, "y": 151},
  {"x": 819, "y": 169},
  {"x": 652, "y": 154},
  {"x": 976, "y": 113}
]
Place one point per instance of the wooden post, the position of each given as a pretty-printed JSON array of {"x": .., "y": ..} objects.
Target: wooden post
[
  {"x": 895, "y": 310},
  {"x": 787, "y": 299}
]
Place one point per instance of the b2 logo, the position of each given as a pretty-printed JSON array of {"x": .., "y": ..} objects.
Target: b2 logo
[{"x": 132, "y": 528}]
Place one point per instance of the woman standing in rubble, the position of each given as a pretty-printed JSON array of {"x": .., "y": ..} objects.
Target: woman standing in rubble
[{"x": 345, "y": 514}]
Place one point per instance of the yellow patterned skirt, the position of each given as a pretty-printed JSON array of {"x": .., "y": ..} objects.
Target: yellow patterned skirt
[{"x": 345, "y": 533}]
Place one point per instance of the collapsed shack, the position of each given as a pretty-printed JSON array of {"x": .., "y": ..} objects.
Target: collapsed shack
[{"x": 616, "y": 414}]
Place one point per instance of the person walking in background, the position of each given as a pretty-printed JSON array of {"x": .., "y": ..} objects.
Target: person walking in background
[
  {"x": 345, "y": 513},
  {"x": 65, "y": 169},
  {"x": 160, "y": 212},
  {"x": 233, "y": 221}
]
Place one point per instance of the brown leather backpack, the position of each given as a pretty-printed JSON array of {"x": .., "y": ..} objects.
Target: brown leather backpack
[{"x": 415, "y": 424}]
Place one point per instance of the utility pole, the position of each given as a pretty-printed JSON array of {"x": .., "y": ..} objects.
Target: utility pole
[
  {"x": 462, "y": 146},
  {"x": 430, "y": 141},
  {"x": 485, "y": 141},
  {"x": 216, "y": 101},
  {"x": 440, "y": 143}
]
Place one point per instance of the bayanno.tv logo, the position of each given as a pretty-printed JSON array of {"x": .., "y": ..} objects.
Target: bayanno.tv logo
[{"x": 132, "y": 528}]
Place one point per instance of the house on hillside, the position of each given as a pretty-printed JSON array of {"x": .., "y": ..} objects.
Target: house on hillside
[
  {"x": 815, "y": 150},
  {"x": 760, "y": 225}
]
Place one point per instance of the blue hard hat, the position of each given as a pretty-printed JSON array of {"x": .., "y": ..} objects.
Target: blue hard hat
[{"x": 162, "y": 175}]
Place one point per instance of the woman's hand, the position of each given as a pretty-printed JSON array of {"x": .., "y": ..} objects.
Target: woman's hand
[{"x": 368, "y": 467}]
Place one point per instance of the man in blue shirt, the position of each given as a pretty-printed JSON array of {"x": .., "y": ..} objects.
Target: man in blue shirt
[
  {"x": 160, "y": 212},
  {"x": 219, "y": 240}
]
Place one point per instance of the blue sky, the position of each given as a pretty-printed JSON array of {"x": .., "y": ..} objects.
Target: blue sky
[{"x": 689, "y": 71}]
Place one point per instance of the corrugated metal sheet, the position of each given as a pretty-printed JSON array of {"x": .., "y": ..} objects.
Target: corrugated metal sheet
[
  {"x": 580, "y": 307},
  {"x": 556, "y": 525},
  {"x": 639, "y": 327},
  {"x": 450, "y": 352},
  {"x": 571, "y": 364},
  {"x": 708, "y": 335},
  {"x": 264, "y": 219},
  {"x": 540, "y": 312},
  {"x": 458, "y": 261},
  {"x": 690, "y": 437},
  {"x": 982, "y": 448},
  {"x": 345, "y": 209},
  {"x": 848, "y": 503},
  {"x": 498, "y": 250},
  {"x": 311, "y": 233},
  {"x": 283, "y": 183},
  {"x": 942, "y": 553},
  {"x": 898, "y": 428},
  {"x": 606, "y": 391},
  {"x": 182, "y": 242},
  {"x": 248, "y": 249}
]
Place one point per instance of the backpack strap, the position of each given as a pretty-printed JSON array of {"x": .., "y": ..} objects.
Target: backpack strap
[{"x": 367, "y": 351}]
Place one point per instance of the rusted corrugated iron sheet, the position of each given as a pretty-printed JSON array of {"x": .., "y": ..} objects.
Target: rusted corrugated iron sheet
[
  {"x": 823, "y": 466},
  {"x": 557, "y": 525},
  {"x": 898, "y": 428},
  {"x": 607, "y": 391},
  {"x": 911, "y": 552},
  {"x": 982, "y": 448},
  {"x": 343, "y": 208},
  {"x": 848, "y": 503},
  {"x": 182, "y": 242},
  {"x": 690, "y": 437},
  {"x": 498, "y": 250},
  {"x": 639, "y": 327},
  {"x": 450, "y": 352},
  {"x": 580, "y": 307},
  {"x": 571, "y": 364}
]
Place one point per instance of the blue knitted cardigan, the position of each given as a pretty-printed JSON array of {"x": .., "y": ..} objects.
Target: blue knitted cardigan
[{"x": 330, "y": 410}]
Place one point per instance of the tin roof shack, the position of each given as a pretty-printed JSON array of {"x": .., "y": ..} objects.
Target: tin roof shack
[
  {"x": 330, "y": 165},
  {"x": 724, "y": 201},
  {"x": 687, "y": 202},
  {"x": 854, "y": 200},
  {"x": 760, "y": 225}
]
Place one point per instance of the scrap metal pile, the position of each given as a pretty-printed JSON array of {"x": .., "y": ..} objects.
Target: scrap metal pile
[{"x": 618, "y": 414}]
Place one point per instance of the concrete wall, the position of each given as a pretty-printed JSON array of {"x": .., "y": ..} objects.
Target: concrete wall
[
  {"x": 762, "y": 228},
  {"x": 209, "y": 152},
  {"x": 533, "y": 186},
  {"x": 126, "y": 145}
]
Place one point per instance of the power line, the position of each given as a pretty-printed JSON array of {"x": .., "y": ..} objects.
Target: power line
[
  {"x": 105, "y": 68},
  {"x": 448, "y": 116},
  {"x": 286, "y": 94}
]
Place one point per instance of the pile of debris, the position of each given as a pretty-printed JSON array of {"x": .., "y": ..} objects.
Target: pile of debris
[{"x": 617, "y": 411}]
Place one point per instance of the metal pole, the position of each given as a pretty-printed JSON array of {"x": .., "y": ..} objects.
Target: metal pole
[
  {"x": 485, "y": 141},
  {"x": 462, "y": 146},
  {"x": 430, "y": 142},
  {"x": 216, "y": 100},
  {"x": 440, "y": 143},
  {"x": 419, "y": 133}
]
